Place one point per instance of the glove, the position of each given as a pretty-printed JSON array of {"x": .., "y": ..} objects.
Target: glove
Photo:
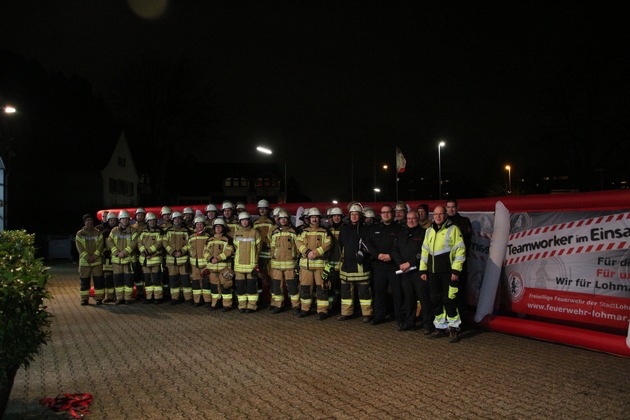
[
  {"x": 326, "y": 271},
  {"x": 452, "y": 292}
]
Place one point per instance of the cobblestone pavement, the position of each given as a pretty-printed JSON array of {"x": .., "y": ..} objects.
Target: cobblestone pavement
[{"x": 183, "y": 362}]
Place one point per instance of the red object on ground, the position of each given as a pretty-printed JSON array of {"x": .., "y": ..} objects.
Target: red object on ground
[
  {"x": 588, "y": 339},
  {"x": 92, "y": 291},
  {"x": 76, "y": 404}
]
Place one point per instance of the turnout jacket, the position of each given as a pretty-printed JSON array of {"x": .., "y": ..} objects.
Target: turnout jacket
[
  {"x": 220, "y": 247},
  {"x": 334, "y": 256},
  {"x": 265, "y": 225},
  {"x": 408, "y": 246},
  {"x": 284, "y": 251},
  {"x": 314, "y": 239},
  {"x": 196, "y": 247},
  {"x": 176, "y": 239},
  {"x": 125, "y": 240},
  {"x": 247, "y": 242},
  {"x": 89, "y": 242},
  {"x": 150, "y": 246},
  {"x": 106, "y": 255},
  {"x": 443, "y": 249},
  {"x": 355, "y": 261}
]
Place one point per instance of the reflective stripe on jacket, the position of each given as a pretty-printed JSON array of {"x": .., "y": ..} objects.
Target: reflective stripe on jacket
[
  {"x": 443, "y": 249},
  {"x": 125, "y": 240},
  {"x": 314, "y": 239},
  {"x": 89, "y": 242},
  {"x": 283, "y": 248},
  {"x": 247, "y": 243}
]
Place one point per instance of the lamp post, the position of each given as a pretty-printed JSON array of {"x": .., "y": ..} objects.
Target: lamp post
[
  {"x": 4, "y": 174},
  {"x": 509, "y": 169},
  {"x": 376, "y": 190},
  {"x": 268, "y": 151},
  {"x": 440, "y": 145}
]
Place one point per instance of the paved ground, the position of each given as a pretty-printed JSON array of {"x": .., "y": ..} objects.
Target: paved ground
[{"x": 180, "y": 362}]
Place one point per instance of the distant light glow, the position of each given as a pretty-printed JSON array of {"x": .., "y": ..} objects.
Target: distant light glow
[
  {"x": 10, "y": 110},
  {"x": 264, "y": 150},
  {"x": 148, "y": 9},
  {"x": 377, "y": 190},
  {"x": 442, "y": 144},
  {"x": 335, "y": 202},
  {"x": 385, "y": 167},
  {"x": 508, "y": 167}
]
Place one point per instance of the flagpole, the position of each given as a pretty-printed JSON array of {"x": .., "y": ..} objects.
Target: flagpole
[{"x": 396, "y": 170}]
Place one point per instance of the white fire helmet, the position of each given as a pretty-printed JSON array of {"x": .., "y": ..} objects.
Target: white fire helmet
[
  {"x": 112, "y": 215},
  {"x": 141, "y": 210},
  {"x": 243, "y": 215},
  {"x": 276, "y": 211},
  {"x": 211, "y": 207},
  {"x": 199, "y": 219},
  {"x": 151, "y": 216},
  {"x": 189, "y": 210},
  {"x": 240, "y": 207},
  {"x": 263, "y": 204},
  {"x": 176, "y": 214},
  {"x": 227, "y": 205},
  {"x": 218, "y": 221},
  {"x": 356, "y": 207},
  {"x": 314, "y": 211},
  {"x": 123, "y": 214},
  {"x": 283, "y": 213},
  {"x": 401, "y": 206},
  {"x": 166, "y": 210},
  {"x": 336, "y": 211},
  {"x": 370, "y": 213}
]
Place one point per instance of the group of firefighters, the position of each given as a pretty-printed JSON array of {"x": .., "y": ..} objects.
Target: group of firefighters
[{"x": 413, "y": 267}]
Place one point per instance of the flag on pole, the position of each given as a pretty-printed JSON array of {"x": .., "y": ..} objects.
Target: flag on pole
[{"x": 401, "y": 162}]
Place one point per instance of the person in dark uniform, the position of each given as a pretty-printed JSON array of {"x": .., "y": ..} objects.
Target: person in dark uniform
[
  {"x": 406, "y": 253},
  {"x": 380, "y": 242}
]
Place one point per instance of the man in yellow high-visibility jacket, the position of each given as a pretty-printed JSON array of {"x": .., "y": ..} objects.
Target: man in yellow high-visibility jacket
[{"x": 441, "y": 262}]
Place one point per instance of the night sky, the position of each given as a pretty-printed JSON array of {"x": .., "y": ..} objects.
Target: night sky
[{"x": 542, "y": 86}]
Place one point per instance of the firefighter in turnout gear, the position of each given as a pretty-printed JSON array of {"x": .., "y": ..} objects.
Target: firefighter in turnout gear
[
  {"x": 138, "y": 277},
  {"x": 284, "y": 254},
  {"x": 231, "y": 220},
  {"x": 335, "y": 222},
  {"x": 189, "y": 216},
  {"x": 165, "y": 223},
  {"x": 175, "y": 245},
  {"x": 442, "y": 260},
  {"x": 150, "y": 249},
  {"x": 219, "y": 250},
  {"x": 110, "y": 292},
  {"x": 247, "y": 243},
  {"x": 355, "y": 267},
  {"x": 313, "y": 244},
  {"x": 122, "y": 242},
  {"x": 265, "y": 225},
  {"x": 198, "y": 257},
  {"x": 89, "y": 243},
  {"x": 211, "y": 213}
]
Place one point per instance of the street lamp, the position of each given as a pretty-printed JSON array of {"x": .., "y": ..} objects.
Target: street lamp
[
  {"x": 376, "y": 190},
  {"x": 509, "y": 169},
  {"x": 440, "y": 145},
  {"x": 268, "y": 151},
  {"x": 4, "y": 174}
]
